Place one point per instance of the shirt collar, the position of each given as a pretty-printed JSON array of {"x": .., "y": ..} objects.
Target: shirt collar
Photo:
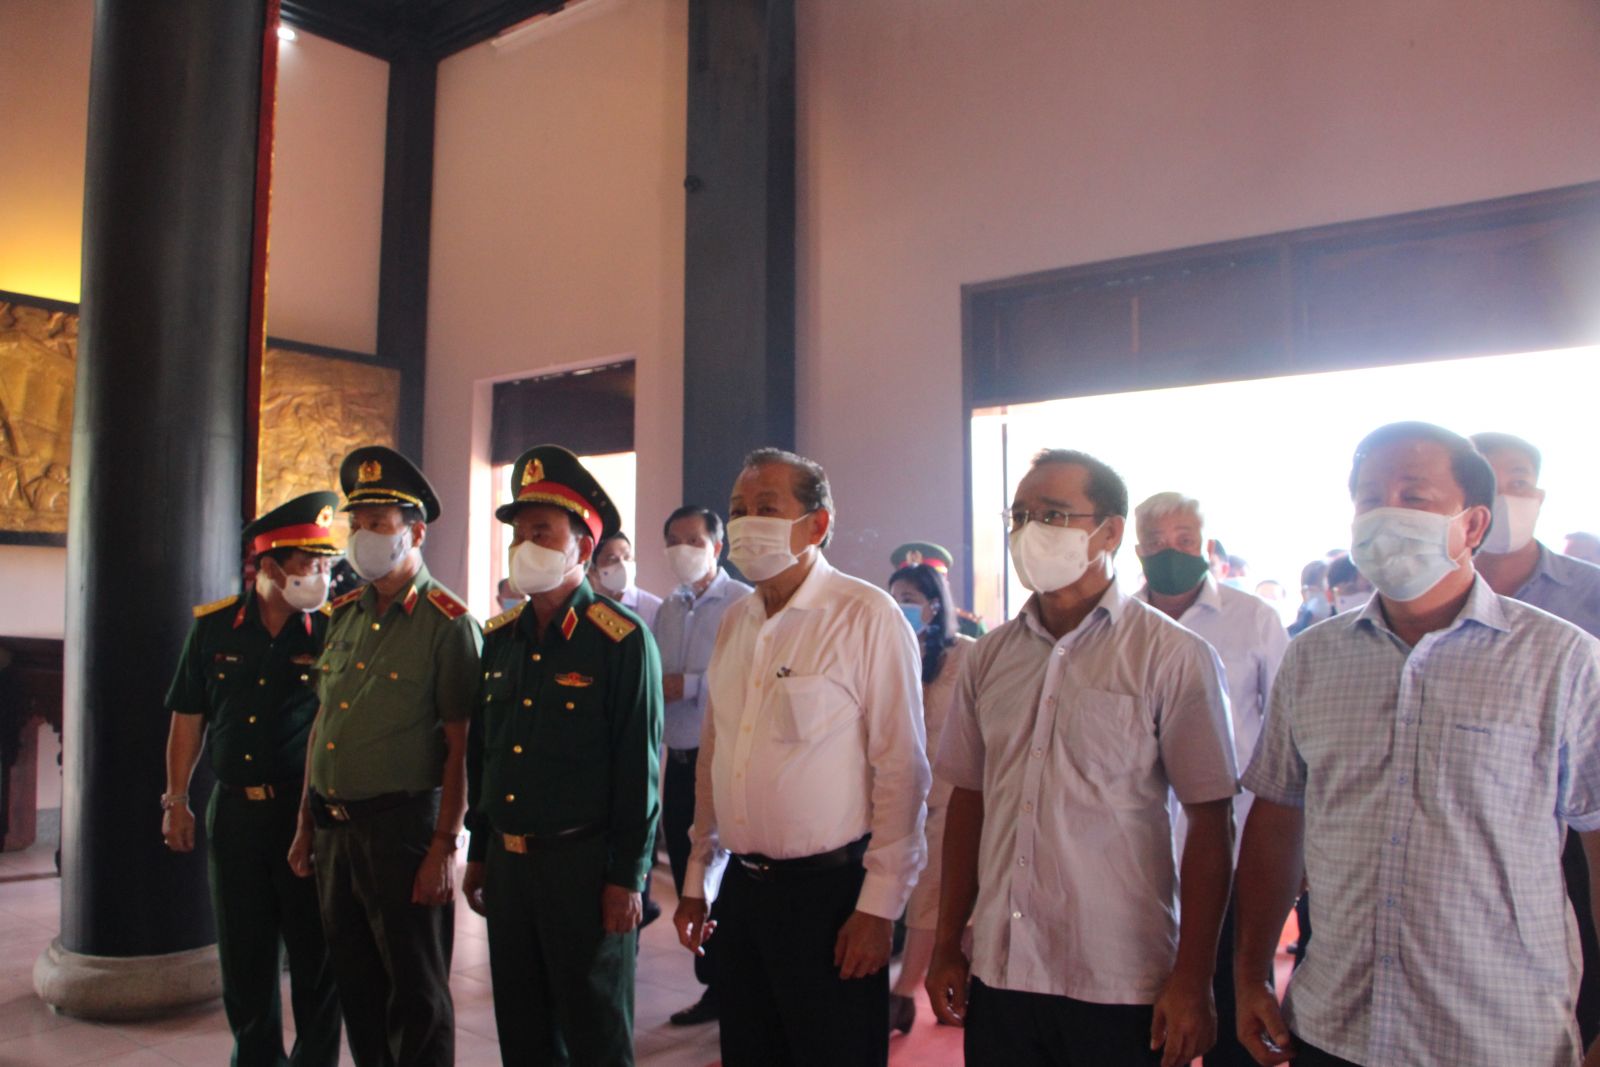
[
  {"x": 810, "y": 590},
  {"x": 1482, "y": 607},
  {"x": 406, "y": 602},
  {"x": 564, "y": 621},
  {"x": 1549, "y": 567},
  {"x": 718, "y": 586},
  {"x": 1111, "y": 604},
  {"x": 1209, "y": 598}
]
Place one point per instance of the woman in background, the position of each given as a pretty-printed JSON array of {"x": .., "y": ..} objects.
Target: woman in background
[{"x": 924, "y": 596}]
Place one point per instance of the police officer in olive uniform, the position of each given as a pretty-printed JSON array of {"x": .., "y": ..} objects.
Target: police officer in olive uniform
[
  {"x": 563, "y": 763},
  {"x": 387, "y": 772},
  {"x": 939, "y": 558},
  {"x": 247, "y": 680}
]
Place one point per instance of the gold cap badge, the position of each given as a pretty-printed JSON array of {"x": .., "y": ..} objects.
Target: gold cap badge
[
  {"x": 370, "y": 471},
  {"x": 533, "y": 472},
  {"x": 325, "y": 516}
]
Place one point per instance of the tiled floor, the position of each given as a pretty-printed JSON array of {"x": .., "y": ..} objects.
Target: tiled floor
[{"x": 31, "y": 1035}]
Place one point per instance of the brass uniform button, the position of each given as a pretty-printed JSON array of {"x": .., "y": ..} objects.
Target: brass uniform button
[
  {"x": 305, "y": 677},
  {"x": 535, "y": 657},
  {"x": 394, "y": 676},
  {"x": 261, "y": 681},
  {"x": 517, "y": 749},
  {"x": 247, "y": 757},
  {"x": 251, "y": 719},
  {"x": 570, "y": 705},
  {"x": 511, "y": 798},
  {"x": 527, "y": 702},
  {"x": 330, "y": 746},
  {"x": 344, "y": 705},
  {"x": 377, "y": 626},
  {"x": 361, "y": 666}
]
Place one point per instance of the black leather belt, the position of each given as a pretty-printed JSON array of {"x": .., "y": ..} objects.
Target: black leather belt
[
  {"x": 521, "y": 844},
  {"x": 262, "y": 792},
  {"x": 766, "y": 869},
  {"x": 325, "y": 812}
]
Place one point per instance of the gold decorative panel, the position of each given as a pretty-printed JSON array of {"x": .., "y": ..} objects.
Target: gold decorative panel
[
  {"x": 38, "y": 357},
  {"x": 314, "y": 410}
]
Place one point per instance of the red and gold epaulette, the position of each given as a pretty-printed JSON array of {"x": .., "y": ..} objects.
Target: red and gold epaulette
[
  {"x": 202, "y": 610},
  {"x": 449, "y": 605},
  {"x": 611, "y": 624},
  {"x": 345, "y": 598},
  {"x": 504, "y": 617}
]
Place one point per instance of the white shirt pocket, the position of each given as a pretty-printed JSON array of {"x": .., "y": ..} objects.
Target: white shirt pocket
[
  {"x": 1106, "y": 735},
  {"x": 810, "y": 707}
]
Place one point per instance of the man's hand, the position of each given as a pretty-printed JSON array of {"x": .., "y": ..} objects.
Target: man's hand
[
  {"x": 435, "y": 881},
  {"x": 177, "y": 828},
  {"x": 472, "y": 886},
  {"x": 1260, "y": 1025},
  {"x": 620, "y": 909},
  {"x": 693, "y": 927},
  {"x": 1185, "y": 1021},
  {"x": 300, "y": 852},
  {"x": 863, "y": 945},
  {"x": 672, "y": 687},
  {"x": 948, "y": 974}
]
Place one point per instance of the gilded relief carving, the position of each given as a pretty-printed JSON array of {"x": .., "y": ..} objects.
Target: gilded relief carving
[
  {"x": 315, "y": 410},
  {"x": 38, "y": 355}
]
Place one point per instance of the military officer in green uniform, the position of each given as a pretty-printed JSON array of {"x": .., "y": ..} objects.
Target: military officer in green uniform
[
  {"x": 386, "y": 771},
  {"x": 939, "y": 558},
  {"x": 247, "y": 681},
  {"x": 563, "y": 763}
]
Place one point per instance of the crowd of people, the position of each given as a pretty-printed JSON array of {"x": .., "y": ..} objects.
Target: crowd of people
[{"x": 1091, "y": 822}]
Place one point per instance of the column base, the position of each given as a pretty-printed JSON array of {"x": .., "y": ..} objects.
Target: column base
[{"x": 125, "y": 987}]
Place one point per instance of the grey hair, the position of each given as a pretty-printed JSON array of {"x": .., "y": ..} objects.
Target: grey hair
[
  {"x": 811, "y": 486},
  {"x": 1160, "y": 506}
]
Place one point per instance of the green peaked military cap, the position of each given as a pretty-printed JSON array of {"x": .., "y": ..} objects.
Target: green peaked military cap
[
  {"x": 553, "y": 476},
  {"x": 302, "y": 523},
  {"x": 914, "y": 552},
  {"x": 374, "y": 474}
]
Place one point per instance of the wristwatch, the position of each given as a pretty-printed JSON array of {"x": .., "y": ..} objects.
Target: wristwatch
[
  {"x": 173, "y": 800},
  {"x": 452, "y": 842}
]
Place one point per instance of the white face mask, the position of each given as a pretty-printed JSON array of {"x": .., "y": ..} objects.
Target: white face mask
[
  {"x": 1514, "y": 518},
  {"x": 536, "y": 569},
  {"x": 1401, "y": 551},
  {"x": 306, "y": 592},
  {"x": 690, "y": 563},
  {"x": 759, "y": 545},
  {"x": 617, "y": 577},
  {"x": 1047, "y": 558},
  {"x": 374, "y": 555}
]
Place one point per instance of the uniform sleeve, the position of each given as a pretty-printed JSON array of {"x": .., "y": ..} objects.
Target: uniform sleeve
[
  {"x": 1194, "y": 727},
  {"x": 187, "y": 693},
  {"x": 476, "y": 822},
  {"x": 635, "y": 715},
  {"x": 897, "y": 752},
  {"x": 457, "y": 668},
  {"x": 1579, "y": 803},
  {"x": 1276, "y": 770},
  {"x": 960, "y": 758}
]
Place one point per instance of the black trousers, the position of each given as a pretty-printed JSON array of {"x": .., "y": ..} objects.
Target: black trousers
[
  {"x": 391, "y": 957},
  {"x": 1311, "y": 1056},
  {"x": 563, "y": 987},
  {"x": 677, "y": 815},
  {"x": 1010, "y": 1029},
  {"x": 257, "y": 900},
  {"x": 1576, "y": 868},
  {"x": 783, "y": 1002},
  {"x": 1227, "y": 1052}
]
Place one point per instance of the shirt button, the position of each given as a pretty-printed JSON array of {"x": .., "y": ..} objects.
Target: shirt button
[
  {"x": 535, "y": 657},
  {"x": 1022, "y": 861},
  {"x": 1016, "y": 915},
  {"x": 1395, "y": 839},
  {"x": 1388, "y": 960},
  {"x": 1388, "y": 902},
  {"x": 1038, "y": 752},
  {"x": 517, "y": 749},
  {"x": 1404, "y": 779},
  {"x": 527, "y": 702},
  {"x": 330, "y": 746},
  {"x": 1027, "y": 805}
]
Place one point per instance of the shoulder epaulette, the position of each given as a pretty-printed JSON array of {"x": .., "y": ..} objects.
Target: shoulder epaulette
[
  {"x": 449, "y": 605},
  {"x": 326, "y": 609},
  {"x": 610, "y": 622},
  {"x": 202, "y": 610},
  {"x": 504, "y": 617},
  {"x": 346, "y": 598}
]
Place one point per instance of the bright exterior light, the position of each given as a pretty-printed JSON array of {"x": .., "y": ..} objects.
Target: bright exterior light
[{"x": 286, "y": 33}]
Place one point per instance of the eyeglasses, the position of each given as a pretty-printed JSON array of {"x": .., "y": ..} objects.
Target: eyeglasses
[{"x": 1016, "y": 518}]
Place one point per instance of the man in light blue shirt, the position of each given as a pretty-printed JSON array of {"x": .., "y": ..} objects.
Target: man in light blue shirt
[
  {"x": 686, "y": 631},
  {"x": 1517, "y": 565},
  {"x": 1422, "y": 760}
]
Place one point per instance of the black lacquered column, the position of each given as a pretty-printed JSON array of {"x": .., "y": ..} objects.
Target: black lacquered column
[{"x": 170, "y": 221}]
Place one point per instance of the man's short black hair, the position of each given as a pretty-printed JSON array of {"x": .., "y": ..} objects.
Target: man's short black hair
[
  {"x": 712, "y": 520},
  {"x": 1500, "y": 442},
  {"x": 1342, "y": 571},
  {"x": 1471, "y": 471},
  {"x": 280, "y": 556},
  {"x": 1106, "y": 490},
  {"x": 1314, "y": 574},
  {"x": 811, "y": 486},
  {"x": 600, "y": 545}
]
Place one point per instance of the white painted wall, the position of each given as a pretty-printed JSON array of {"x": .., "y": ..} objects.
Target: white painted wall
[
  {"x": 557, "y": 242},
  {"x": 958, "y": 141}
]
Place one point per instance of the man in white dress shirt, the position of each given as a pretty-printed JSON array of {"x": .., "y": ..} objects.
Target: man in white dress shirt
[
  {"x": 1250, "y": 639},
  {"x": 812, "y": 774},
  {"x": 614, "y": 570}
]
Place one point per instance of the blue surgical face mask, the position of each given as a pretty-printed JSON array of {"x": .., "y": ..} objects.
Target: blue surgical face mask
[{"x": 913, "y": 614}]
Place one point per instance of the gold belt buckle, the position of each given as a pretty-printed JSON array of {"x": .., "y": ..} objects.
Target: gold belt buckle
[
  {"x": 257, "y": 792},
  {"x": 515, "y": 843},
  {"x": 338, "y": 812}
]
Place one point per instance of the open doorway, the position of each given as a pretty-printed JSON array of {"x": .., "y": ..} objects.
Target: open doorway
[{"x": 1268, "y": 458}]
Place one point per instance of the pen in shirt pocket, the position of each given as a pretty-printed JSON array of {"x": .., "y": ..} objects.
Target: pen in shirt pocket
[{"x": 784, "y": 672}]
